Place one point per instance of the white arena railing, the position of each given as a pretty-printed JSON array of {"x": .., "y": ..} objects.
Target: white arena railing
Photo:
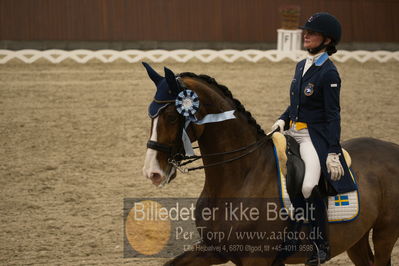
[{"x": 206, "y": 56}]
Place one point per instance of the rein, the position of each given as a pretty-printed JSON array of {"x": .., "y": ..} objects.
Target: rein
[{"x": 179, "y": 160}]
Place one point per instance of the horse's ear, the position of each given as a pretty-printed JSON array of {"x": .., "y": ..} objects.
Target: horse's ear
[
  {"x": 171, "y": 80},
  {"x": 154, "y": 76}
]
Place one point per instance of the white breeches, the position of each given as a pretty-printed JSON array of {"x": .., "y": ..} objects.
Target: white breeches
[{"x": 310, "y": 158}]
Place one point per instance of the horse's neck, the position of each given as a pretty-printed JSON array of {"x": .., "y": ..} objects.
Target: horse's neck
[{"x": 245, "y": 177}]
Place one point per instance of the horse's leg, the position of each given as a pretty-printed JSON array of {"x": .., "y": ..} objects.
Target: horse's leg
[
  {"x": 255, "y": 261},
  {"x": 193, "y": 258},
  {"x": 384, "y": 238},
  {"x": 197, "y": 257},
  {"x": 361, "y": 253}
]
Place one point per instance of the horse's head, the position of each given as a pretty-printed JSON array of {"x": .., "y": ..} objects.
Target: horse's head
[
  {"x": 168, "y": 120},
  {"x": 181, "y": 107}
]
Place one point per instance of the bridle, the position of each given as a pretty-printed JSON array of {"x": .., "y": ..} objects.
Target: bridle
[{"x": 178, "y": 160}]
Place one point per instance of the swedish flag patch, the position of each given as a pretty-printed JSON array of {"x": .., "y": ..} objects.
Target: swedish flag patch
[{"x": 341, "y": 200}]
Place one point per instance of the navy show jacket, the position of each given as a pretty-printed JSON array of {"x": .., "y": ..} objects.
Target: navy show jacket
[{"x": 314, "y": 99}]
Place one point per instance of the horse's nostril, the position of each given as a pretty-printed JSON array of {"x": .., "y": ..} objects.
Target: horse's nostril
[{"x": 156, "y": 178}]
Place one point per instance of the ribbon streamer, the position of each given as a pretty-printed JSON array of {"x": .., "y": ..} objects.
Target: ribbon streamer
[
  {"x": 213, "y": 118},
  {"x": 188, "y": 148},
  {"x": 209, "y": 118}
]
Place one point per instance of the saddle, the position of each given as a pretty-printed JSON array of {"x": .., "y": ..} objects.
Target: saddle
[{"x": 293, "y": 167}]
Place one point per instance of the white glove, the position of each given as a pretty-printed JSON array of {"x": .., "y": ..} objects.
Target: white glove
[
  {"x": 334, "y": 166},
  {"x": 279, "y": 124}
]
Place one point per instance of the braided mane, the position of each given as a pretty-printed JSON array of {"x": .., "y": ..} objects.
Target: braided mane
[{"x": 227, "y": 93}]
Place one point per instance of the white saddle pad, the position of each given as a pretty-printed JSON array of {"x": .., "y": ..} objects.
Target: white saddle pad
[{"x": 341, "y": 208}]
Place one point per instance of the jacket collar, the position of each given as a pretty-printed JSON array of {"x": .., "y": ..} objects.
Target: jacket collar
[
  {"x": 315, "y": 66},
  {"x": 322, "y": 58}
]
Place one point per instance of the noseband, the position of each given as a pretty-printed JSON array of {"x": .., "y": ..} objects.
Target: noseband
[{"x": 159, "y": 147}]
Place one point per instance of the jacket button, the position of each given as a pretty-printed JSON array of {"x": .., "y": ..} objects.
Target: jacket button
[{"x": 292, "y": 93}]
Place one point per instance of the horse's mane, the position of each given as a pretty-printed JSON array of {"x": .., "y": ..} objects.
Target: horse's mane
[{"x": 227, "y": 93}]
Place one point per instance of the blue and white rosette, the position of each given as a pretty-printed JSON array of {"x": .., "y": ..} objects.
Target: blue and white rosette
[{"x": 187, "y": 104}]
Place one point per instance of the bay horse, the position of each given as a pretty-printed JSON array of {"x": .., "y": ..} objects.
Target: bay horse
[{"x": 253, "y": 175}]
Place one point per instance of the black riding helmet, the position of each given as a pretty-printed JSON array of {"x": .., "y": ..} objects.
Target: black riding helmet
[{"x": 328, "y": 26}]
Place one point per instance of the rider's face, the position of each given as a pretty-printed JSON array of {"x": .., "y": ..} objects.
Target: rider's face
[{"x": 312, "y": 39}]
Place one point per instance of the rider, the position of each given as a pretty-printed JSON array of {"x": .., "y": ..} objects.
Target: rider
[{"x": 313, "y": 119}]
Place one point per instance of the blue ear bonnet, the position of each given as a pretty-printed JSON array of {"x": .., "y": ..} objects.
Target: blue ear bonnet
[{"x": 167, "y": 90}]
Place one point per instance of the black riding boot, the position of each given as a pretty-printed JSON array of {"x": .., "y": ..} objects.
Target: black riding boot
[
  {"x": 290, "y": 246},
  {"x": 318, "y": 231}
]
